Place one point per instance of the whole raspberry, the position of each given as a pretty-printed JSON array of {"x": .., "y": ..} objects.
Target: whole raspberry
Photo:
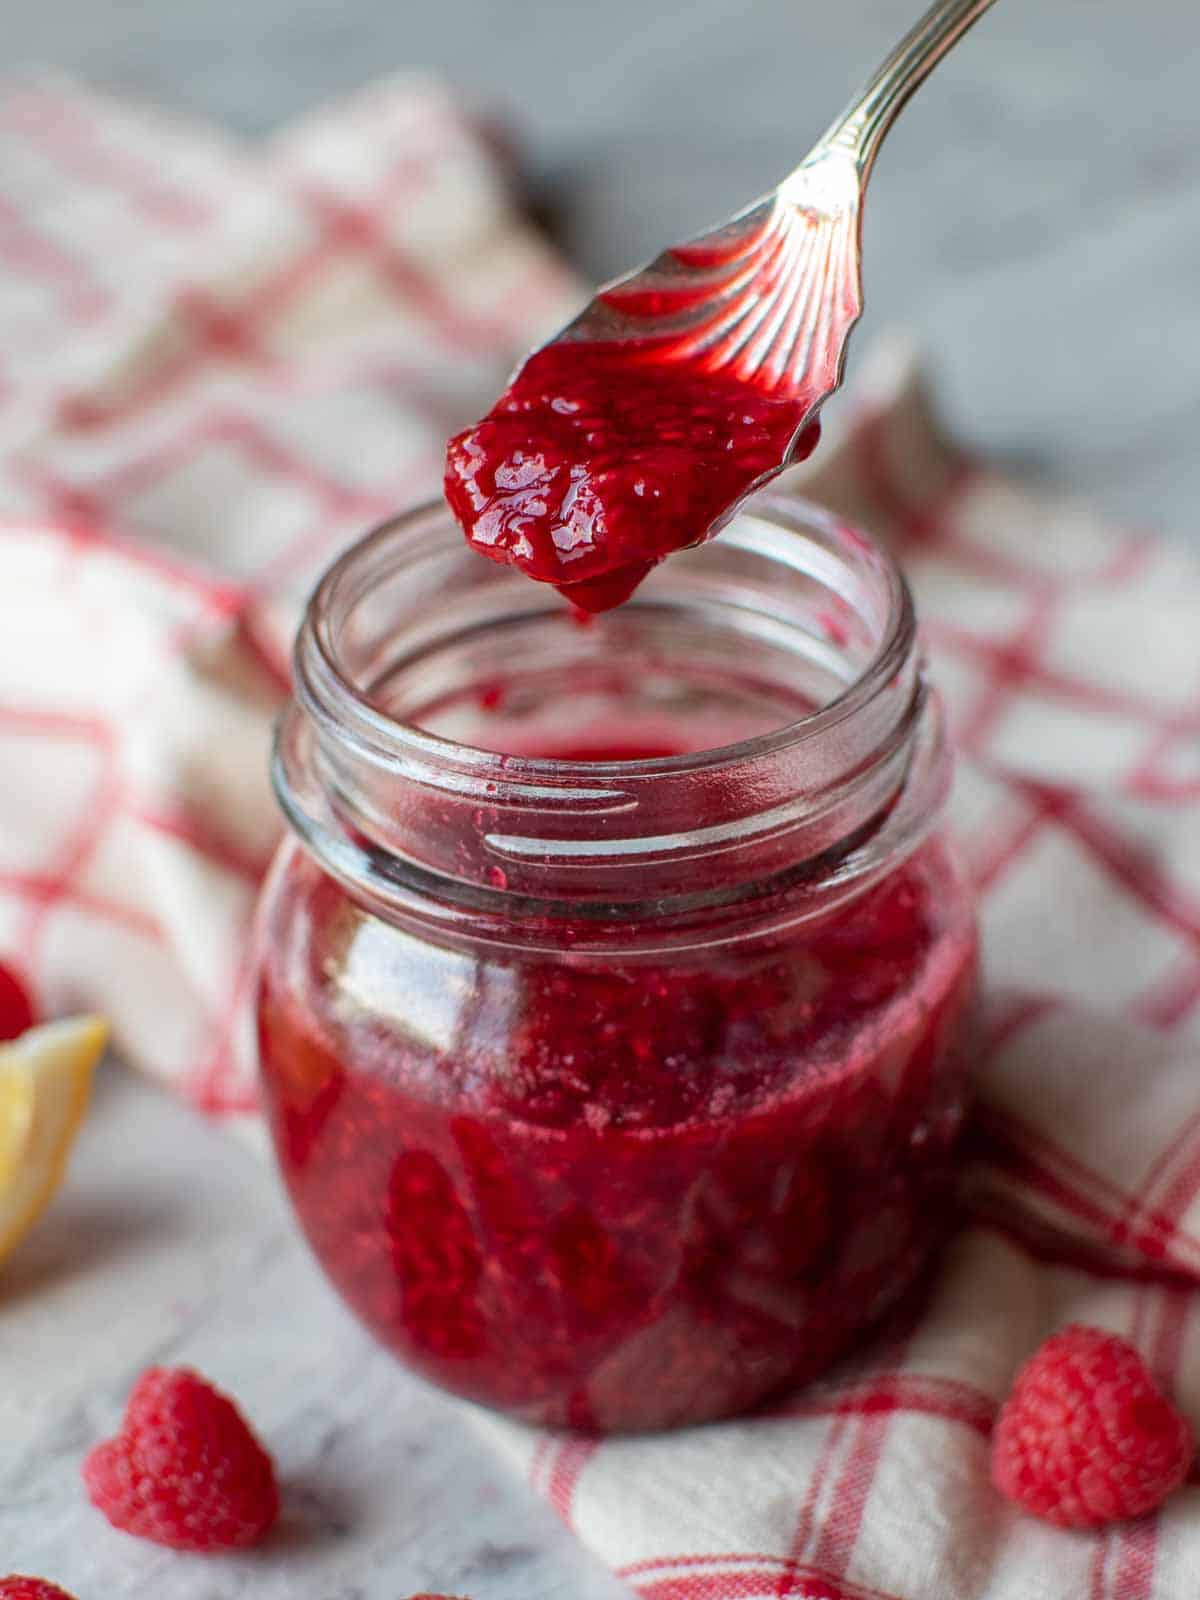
[
  {"x": 16, "y": 1588},
  {"x": 16, "y": 1008},
  {"x": 1085, "y": 1437},
  {"x": 184, "y": 1470}
]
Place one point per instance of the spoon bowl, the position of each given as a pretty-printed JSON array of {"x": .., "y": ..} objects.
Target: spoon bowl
[{"x": 772, "y": 295}]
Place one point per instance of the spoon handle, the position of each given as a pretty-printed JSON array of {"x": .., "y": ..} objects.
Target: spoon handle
[{"x": 861, "y": 128}]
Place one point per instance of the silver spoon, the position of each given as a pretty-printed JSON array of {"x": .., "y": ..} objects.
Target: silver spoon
[
  {"x": 773, "y": 294},
  {"x": 766, "y": 301}
]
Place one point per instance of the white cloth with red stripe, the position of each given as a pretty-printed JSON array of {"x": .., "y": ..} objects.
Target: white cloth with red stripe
[{"x": 217, "y": 364}]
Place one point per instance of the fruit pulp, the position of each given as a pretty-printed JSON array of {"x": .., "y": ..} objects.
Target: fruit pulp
[
  {"x": 620, "y": 1193},
  {"x": 600, "y": 459}
]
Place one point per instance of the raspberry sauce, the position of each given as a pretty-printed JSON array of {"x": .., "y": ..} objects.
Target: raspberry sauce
[
  {"x": 601, "y": 459},
  {"x": 620, "y": 1194}
]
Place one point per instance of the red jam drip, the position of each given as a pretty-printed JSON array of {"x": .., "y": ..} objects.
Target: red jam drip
[
  {"x": 601, "y": 459},
  {"x": 618, "y": 1194}
]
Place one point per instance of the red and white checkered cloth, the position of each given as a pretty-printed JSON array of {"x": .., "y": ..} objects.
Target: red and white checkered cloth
[{"x": 216, "y": 365}]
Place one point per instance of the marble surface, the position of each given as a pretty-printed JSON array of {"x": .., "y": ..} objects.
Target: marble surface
[{"x": 170, "y": 1243}]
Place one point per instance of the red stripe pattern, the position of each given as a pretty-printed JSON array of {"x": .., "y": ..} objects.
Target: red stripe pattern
[{"x": 217, "y": 363}]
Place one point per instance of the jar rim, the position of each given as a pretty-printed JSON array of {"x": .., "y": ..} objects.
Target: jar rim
[
  {"x": 895, "y": 645},
  {"x": 426, "y": 827}
]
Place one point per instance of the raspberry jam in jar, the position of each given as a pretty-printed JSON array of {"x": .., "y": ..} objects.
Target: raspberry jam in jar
[{"x": 615, "y": 986}]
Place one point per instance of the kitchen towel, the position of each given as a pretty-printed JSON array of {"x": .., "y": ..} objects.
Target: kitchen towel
[{"x": 218, "y": 363}]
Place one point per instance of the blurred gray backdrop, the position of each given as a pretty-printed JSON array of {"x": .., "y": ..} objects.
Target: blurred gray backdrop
[{"x": 1035, "y": 218}]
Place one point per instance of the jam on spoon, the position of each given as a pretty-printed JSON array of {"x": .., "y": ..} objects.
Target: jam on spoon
[
  {"x": 639, "y": 429},
  {"x": 600, "y": 459}
]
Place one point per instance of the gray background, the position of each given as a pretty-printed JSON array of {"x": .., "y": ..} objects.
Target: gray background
[{"x": 1035, "y": 216}]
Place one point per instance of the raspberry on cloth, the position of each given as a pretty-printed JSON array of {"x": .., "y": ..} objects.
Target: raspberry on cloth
[
  {"x": 249, "y": 356},
  {"x": 1085, "y": 1437}
]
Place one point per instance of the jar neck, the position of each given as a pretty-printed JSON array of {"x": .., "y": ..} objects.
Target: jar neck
[{"x": 792, "y": 632}]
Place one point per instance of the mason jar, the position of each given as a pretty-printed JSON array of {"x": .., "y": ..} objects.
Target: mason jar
[{"x": 615, "y": 980}]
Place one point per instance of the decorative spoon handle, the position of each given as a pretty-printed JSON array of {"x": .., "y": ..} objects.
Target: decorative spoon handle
[{"x": 861, "y": 128}]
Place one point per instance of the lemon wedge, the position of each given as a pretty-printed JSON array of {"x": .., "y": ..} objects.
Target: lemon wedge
[{"x": 45, "y": 1080}]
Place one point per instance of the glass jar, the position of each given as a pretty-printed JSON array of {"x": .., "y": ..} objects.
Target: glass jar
[{"x": 614, "y": 988}]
